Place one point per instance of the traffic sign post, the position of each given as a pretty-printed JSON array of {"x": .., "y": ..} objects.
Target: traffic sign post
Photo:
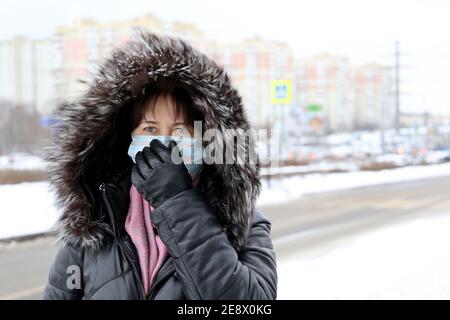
[{"x": 281, "y": 97}]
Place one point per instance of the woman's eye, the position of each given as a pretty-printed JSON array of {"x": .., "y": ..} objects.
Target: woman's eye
[
  {"x": 150, "y": 129},
  {"x": 180, "y": 131}
]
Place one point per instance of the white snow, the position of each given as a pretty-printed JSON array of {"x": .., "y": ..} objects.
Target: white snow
[
  {"x": 22, "y": 161},
  {"x": 289, "y": 188},
  {"x": 405, "y": 261},
  {"x": 25, "y": 209},
  {"x": 322, "y": 166}
]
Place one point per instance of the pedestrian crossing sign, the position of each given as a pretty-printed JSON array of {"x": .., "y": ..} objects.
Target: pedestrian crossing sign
[{"x": 281, "y": 91}]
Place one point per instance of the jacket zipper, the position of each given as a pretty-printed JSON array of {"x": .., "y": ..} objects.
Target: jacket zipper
[
  {"x": 157, "y": 280},
  {"x": 122, "y": 246}
]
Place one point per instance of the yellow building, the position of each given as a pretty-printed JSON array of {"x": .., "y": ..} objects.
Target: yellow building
[{"x": 84, "y": 44}]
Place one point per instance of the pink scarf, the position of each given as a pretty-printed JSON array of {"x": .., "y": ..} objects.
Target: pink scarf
[{"x": 151, "y": 250}]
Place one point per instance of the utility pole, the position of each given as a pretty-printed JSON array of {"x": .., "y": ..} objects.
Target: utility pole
[{"x": 397, "y": 86}]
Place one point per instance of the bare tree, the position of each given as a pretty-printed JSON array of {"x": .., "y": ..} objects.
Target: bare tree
[{"x": 21, "y": 130}]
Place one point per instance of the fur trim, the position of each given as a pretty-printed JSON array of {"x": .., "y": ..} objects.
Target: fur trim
[{"x": 88, "y": 147}]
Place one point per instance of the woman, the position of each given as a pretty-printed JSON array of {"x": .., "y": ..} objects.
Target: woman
[{"x": 135, "y": 222}]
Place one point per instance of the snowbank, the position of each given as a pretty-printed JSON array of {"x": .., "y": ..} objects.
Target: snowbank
[
  {"x": 405, "y": 261},
  {"x": 22, "y": 161},
  {"x": 26, "y": 209},
  {"x": 289, "y": 188}
]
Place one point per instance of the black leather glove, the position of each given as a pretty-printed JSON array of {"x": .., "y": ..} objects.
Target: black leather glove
[{"x": 155, "y": 175}]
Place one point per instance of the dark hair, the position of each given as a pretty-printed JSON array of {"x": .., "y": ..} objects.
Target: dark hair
[{"x": 181, "y": 97}]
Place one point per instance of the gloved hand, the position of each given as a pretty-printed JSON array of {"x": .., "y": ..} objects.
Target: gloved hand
[{"x": 156, "y": 177}]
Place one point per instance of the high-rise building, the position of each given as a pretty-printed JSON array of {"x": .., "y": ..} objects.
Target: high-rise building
[
  {"x": 374, "y": 100},
  {"x": 40, "y": 74},
  {"x": 26, "y": 73},
  {"x": 44, "y": 76},
  {"x": 16, "y": 71},
  {"x": 326, "y": 82},
  {"x": 84, "y": 44},
  {"x": 253, "y": 64}
]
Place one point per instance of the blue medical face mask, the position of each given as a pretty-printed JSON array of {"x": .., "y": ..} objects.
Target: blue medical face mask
[{"x": 191, "y": 150}]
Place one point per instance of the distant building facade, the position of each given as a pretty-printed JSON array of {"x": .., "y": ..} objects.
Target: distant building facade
[
  {"x": 26, "y": 73},
  {"x": 374, "y": 99},
  {"x": 253, "y": 64},
  {"x": 328, "y": 92}
]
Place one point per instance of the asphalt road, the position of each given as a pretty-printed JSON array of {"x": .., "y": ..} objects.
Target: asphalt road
[
  {"x": 324, "y": 219},
  {"x": 313, "y": 221}
]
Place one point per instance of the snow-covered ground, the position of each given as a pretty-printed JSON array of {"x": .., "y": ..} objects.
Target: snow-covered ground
[
  {"x": 404, "y": 261},
  {"x": 322, "y": 166},
  {"x": 22, "y": 161},
  {"x": 409, "y": 260},
  {"x": 27, "y": 208},
  {"x": 289, "y": 188}
]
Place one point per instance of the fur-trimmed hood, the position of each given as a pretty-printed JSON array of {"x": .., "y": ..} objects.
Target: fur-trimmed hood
[{"x": 90, "y": 141}]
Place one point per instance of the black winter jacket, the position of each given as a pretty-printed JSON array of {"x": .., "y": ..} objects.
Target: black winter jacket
[{"x": 219, "y": 247}]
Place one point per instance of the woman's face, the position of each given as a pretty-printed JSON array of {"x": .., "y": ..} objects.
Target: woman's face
[{"x": 163, "y": 120}]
